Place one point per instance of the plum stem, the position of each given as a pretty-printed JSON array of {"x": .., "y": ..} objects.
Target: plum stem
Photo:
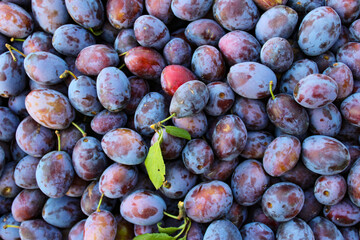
[
  {"x": 11, "y": 48},
  {"x": 124, "y": 53},
  {"x": 65, "y": 74},
  {"x": 10, "y": 226},
  {"x": 270, "y": 88},
  {"x": 79, "y": 128},
  {"x": 100, "y": 201},
  {"x": 158, "y": 125},
  {"x": 58, "y": 138},
  {"x": 96, "y": 33},
  {"x": 122, "y": 66},
  {"x": 17, "y": 40},
  {"x": 181, "y": 212}
]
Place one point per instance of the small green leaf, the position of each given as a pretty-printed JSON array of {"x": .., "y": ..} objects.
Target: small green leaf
[
  {"x": 170, "y": 230},
  {"x": 178, "y": 132},
  {"x": 154, "y": 236},
  {"x": 155, "y": 165}
]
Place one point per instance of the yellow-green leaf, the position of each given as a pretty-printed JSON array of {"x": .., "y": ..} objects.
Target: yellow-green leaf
[
  {"x": 154, "y": 236},
  {"x": 155, "y": 165},
  {"x": 178, "y": 132}
]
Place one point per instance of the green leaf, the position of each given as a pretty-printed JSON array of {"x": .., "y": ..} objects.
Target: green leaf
[
  {"x": 178, "y": 132},
  {"x": 155, "y": 165},
  {"x": 154, "y": 236},
  {"x": 170, "y": 230}
]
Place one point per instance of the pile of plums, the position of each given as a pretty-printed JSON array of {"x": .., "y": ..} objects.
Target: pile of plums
[{"x": 269, "y": 91}]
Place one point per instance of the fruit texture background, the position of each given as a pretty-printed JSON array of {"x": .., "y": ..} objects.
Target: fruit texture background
[{"x": 179, "y": 119}]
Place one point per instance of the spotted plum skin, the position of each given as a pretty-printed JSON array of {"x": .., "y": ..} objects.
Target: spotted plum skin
[
  {"x": 236, "y": 15},
  {"x": 315, "y": 39},
  {"x": 91, "y": 60},
  {"x": 325, "y": 155},
  {"x": 281, "y": 155},
  {"x": 220, "y": 170},
  {"x": 286, "y": 114},
  {"x": 142, "y": 207},
  {"x": 139, "y": 88},
  {"x": 83, "y": 97},
  {"x": 252, "y": 112},
  {"x": 44, "y": 67},
  {"x": 50, "y": 14},
  {"x": 9, "y": 123},
  {"x": 55, "y": 173},
  {"x": 248, "y": 183},
  {"x": 151, "y": 32},
  {"x": 322, "y": 228},
  {"x": 208, "y": 201},
  {"x": 283, "y": 201},
  {"x": 124, "y": 146},
  {"x": 179, "y": 180},
  {"x": 256, "y": 144},
  {"x": 151, "y": 109},
  {"x": 343, "y": 77},
  {"x": 100, "y": 225},
  {"x": 123, "y": 13},
  {"x": 197, "y": 156},
  {"x": 343, "y": 214},
  {"x": 325, "y": 121},
  {"x": 62, "y": 212},
  {"x": 353, "y": 183},
  {"x": 27, "y": 204},
  {"x": 229, "y": 137},
  {"x": 88, "y": 159},
  {"x": 279, "y": 21},
  {"x": 160, "y": 9},
  {"x": 190, "y": 98},
  {"x": 297, "y": 71},
  {"x": 277, "y": 54},
  {"x": 177, "y": 52},
  {"x": 16, "y": 22},
  {"x": 251, "y": 80},
  {"x": 170, "y": 146},
  {"x": 70, "y": 39},
  {"x": 33, "y": 138},
  {"x": 145, "y": 62},
  {"x": 222, "y": 230},
  {"x": 49, "y": 108},
  {"x": 208, "y": 64},
  {"x": 330, "y": 190},
  {"x": 239, "y": 46},
  {"x": 77, "y": 231},
  {"x": 125, "y": 40},
  {"x": 113, "y": 89},
  {"x": 117, "y": 180},
  {"x": 88, "y": 14},
  {"x": 91, "y": 197},
  {"x": 295, "y": 229},
  {"x": 190, "y": 10},
  {"x": 256, "y": 230},
  {"x": 12, "y": 76},
  {"x": 25, "y": 171},
  {"x": 349, "y": 54},
  {"x": 8, "y": 187},
  {"x": 204, "y": 32},
  {"x": 38, "y": 229},
  {"x": 237, "y": 214},
  {"x": 221, "y": 98},
  {"x": 106, "y": 121},
  {"x": 348, "y": 10},
  {"x": 196, "y": 124},
  {"x": 315, "y": 90},
  {"x": 350, "y": 109}
]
